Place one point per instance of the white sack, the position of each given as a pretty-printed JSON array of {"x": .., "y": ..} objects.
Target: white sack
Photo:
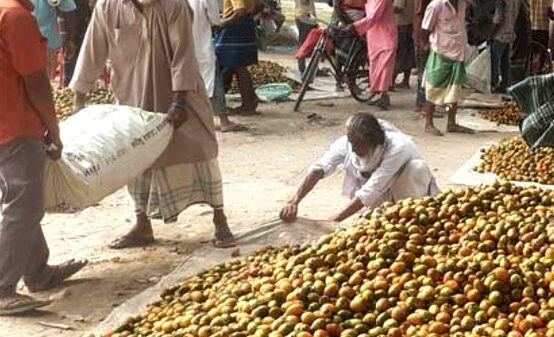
[
  {"x": 479, "y": 72},
  {"x": 105, "y": 148}
]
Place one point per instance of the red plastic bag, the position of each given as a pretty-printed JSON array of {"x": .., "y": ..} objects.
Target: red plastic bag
[{"x": 309, "y": 44}]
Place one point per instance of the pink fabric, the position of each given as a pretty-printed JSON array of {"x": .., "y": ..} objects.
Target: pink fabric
[
  {"x": 380, "y": 28},
  {"x": 447, "y": 26}
]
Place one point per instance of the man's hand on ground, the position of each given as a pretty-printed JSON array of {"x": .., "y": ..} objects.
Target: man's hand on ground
[
  {"x": 289, "y": 212},
  {"x": 177, "y": 117}
]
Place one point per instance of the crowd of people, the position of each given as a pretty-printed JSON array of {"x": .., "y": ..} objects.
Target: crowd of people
[
  {"x": 432, "y": 36},
  {"x": 162, "y": 59}
]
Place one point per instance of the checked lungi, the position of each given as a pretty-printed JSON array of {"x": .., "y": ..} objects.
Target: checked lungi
[
  {"x": 236, "y": 46},
  {"x": 535, "y": 96},
  {"x": 166, "y": 192}
]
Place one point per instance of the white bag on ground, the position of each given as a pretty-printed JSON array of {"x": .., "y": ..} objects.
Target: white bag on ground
[
  {"x": 479, "y": 72},
  {"x": 105, "y": 148}
]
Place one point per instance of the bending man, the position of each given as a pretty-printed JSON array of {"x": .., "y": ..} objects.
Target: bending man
[{"x": 380, "y": 164}]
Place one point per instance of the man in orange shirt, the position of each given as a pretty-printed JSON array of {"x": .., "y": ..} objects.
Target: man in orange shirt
[{"x": 26, "y": 115}]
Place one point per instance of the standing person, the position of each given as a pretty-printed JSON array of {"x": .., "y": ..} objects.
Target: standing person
[
  {"x": 380, "y": 30},
  {"x": 82, "y": 17},
  {"x": 503, "y": 37},
  {"x": 306, "y": 20},
  {"x": 444, "y": 21},
  {"x": 422, "y": 46},
  {"x": 405, "y": 51},
  {"x": 47, "y": 12},
  {"x": 380, "y": 164},
  {"x": 520, "y": 50},
  {"x": 26, "y": 112},
  {"x": 539, "y": 21},
  {"x": 150, "y": 45},
  {"x": 236, "y": 48},
  {"x": 479, "y": 19},
  {"x": 206, "y": 16}
]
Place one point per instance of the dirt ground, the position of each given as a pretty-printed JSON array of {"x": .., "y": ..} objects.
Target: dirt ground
[{"x": 261, "y": 168}]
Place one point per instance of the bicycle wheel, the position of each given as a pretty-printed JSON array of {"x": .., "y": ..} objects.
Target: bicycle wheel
[
  {"x": 308, "y": 77},
  {"x": 357, "y": 77}
]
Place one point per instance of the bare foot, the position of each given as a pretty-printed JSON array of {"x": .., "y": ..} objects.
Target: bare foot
[
  {"x": 459, "y": 129},
  {"x": 431, "y": 129}
]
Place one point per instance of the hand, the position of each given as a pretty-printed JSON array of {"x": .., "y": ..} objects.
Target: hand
[
  {"x": 176, "y": 116},
  {"x": 289, "y": 212},
  {"x": 54, "y": 146}
]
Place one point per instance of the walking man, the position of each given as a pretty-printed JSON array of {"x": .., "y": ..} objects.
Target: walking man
[
  {"x": 421, "y": 41},
  {"x": 444, "y": 22},
  {"x": 503, "y": 37},
  {"x": 26, "y": 112},
  {"x": 405, "y": 51},
  {"x": 206, "y": 16},
  {"x": 150, "y": 45},
  {"x": 380, "y": 29},
  {"x": 236, "y": 49}
]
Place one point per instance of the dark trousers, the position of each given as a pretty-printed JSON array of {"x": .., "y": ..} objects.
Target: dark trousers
[
  {"x": 421, "y": 63},
  {"x": 500, "y": 65},
  {"x": 303, "y": 31},
  {"x": 23, "y": 249},
  {"x": 540, "y": 36}
]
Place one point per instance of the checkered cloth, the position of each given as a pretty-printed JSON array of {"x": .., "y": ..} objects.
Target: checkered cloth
[
  {"x": 539, "y": 14},
  {"x": 168, "y": 191},
  {"x": 535, "y": 96}
]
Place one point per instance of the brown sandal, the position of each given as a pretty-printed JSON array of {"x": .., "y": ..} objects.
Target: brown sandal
[{"x": 17, "y": 304}]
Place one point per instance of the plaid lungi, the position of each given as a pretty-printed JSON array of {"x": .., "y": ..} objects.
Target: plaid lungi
[
  {"x": 169, "y": 191},
  {"x": 236, "y": 45},
  {"x": 535, "y": 96},
  {"x": 443, "y": 79}
]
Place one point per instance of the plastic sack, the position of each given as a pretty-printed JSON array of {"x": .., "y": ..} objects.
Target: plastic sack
[
  {"x": 105, "y": 148},
  {"x": 479, "y": 72},
  {"x": 273, "y": 92}
]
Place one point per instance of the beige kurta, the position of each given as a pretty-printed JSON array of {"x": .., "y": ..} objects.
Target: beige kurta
[{"x": 152, "y": 55}]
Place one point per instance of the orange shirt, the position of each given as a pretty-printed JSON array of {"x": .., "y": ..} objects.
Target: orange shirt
[{"x": 22, "y": 52}]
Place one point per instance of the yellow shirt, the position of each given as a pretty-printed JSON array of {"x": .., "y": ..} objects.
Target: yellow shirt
[{"x": 229, "y": 6}]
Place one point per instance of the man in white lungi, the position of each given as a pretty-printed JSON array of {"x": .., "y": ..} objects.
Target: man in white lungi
[{"x": 380, "y": 164}]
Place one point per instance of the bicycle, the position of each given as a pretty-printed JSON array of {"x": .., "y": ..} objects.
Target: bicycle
[{"x": 353, "y": 73}]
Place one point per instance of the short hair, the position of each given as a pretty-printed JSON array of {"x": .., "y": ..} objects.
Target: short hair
[{"x": 368, "y": 127}]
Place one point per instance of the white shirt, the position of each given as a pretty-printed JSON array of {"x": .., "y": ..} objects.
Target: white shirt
[
  {"x": 380, "y": 168},
  {"x": 206, "y": 15}
]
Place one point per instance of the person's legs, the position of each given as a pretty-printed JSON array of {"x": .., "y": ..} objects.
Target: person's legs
[
  {"x": 302, "y": 34},
  {"x": 421, "y": 61},
  {"x": 429, "y": 123},
  {"x": 496, "y": 59},
  {"x": 21, "y": 237},
  {"x": 223, "y": 237},
  {"x": 219, "y": 106},
  {"x": 141, "y": 233},
  {"x": 505, "y": 68},
  {"x": 227, "y": 75},
  {"x": 452, "y": 125},
  {"x": 247, "y": 93}
]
